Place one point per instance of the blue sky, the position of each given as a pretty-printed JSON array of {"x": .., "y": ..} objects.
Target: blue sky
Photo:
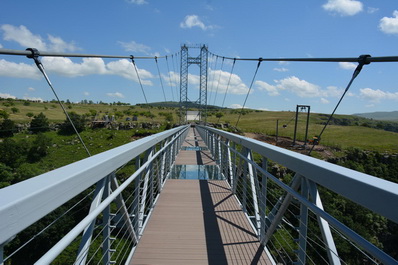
[{"x": 242, "y": 29}]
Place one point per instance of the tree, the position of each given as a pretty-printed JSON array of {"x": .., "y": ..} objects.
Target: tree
[
  {"x": 39, "y": 123},
  {"x": 39, "y": 148},
  {"x": 12, "y": 154},
  {"x": 7, "y": 128},
  {"x": 6, "y": 175},
  {"x": 4, "y": 114},
  {"x": 219, "y": 114},
  {"x": 78, "y": 121},
  {"x": 30, "y": 114},
  {"x": 14, "y": 110}
]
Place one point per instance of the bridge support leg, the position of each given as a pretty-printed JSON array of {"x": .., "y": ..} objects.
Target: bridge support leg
[{"x": 106, "y": 222}]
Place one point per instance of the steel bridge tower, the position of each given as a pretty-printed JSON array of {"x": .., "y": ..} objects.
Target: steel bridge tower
[{"x": 186, "y": 61}]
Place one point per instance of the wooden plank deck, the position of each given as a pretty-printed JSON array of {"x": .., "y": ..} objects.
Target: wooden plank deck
[{"x": 198, "y": 222}]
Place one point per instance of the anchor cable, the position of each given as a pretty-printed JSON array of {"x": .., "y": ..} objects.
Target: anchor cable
[
  {"x": 248, "y": 92},
  {"x": 362, "y": 60},
  {"x": 35, "y": 56}
]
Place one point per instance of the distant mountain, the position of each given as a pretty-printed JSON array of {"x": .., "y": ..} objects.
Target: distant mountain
[{"x": 382, "y": 116}]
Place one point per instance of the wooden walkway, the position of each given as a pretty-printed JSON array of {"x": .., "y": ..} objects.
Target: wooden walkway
[{"x": 198, "y": 222}]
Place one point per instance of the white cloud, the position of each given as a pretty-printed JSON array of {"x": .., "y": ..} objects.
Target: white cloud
[
  {"x": 115, "y": 95},
  {"x": 377, "y": 95},
  {"x": 235, "y": 106},
  {"x": 133, "y": 46},
  {"x": 66, "y": 67},
  {"x": 389, "y": 25},
  {"x": 272, "y": 90},
  {"x": 324, "y": 101},
  {"x": 281, "y": 69},
  {"x": 1, "y": 46},
  {"x": 21, "y": 70},
  {"x": 347, "y": 65},
  {"x": 6, "y": 95},
  {"x": 31, "y": 89},
  {"x": 191, "y": 21},
  {"x": 126, "y": 69},
  {"x": 372, "y": 10},
  {"x": 299, "y": 87},
  {"x": 137, "y": 2},
  {"x": 33, "y": 98},
  {"x": 86, "y": 93},
  {"x": 218, "y": 81},
  {"x": 344, "y": 7},
  {"x": 25, "y": 38}
]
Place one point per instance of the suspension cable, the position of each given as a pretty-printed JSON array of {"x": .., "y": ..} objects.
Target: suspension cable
[
  {"x": 214, "y": 77},
  {"x": 139, "y": 79},
  {"x": 160, "y": 77},
  {"x": 170, "y": 83},
  {"x": 218, "y": 83},
  {"x": 250, "y": 88},
  {"x": 34, "y": 54},
  {"x": 175, "y": 79},
  {"x": 55, "y": 54},
  {"x": 362, "y": 60},
  {"x": 229, "y": 81}
]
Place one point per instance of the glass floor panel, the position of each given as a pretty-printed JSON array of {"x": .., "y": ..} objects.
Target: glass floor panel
[
  {"x": 194, "y": 148},
  {"x": 196, "y": 172}
]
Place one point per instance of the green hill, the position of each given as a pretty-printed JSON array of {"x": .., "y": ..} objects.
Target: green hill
[{"x": 381, "y": 115}]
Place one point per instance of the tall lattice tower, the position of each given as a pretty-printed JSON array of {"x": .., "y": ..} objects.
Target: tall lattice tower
[{"x": 186, "y": 61}]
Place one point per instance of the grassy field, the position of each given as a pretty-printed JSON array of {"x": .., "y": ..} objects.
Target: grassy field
[{"x": 263, "y": 122}]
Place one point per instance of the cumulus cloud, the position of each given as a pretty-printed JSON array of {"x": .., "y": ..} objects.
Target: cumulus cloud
[
  {"x": 6, "y": 95},
  {"x": 389, "y": 25},
  {"x": 235, "y": 106},
  {"x": 218, "y": 81},
  {"x": 377, "y": 95},
  {"x": 281, "y": 69},
  {"x": 137, "y": 2},
  {"x": 344, "y": 7},
  {"x": 31, "y": 89},
  {"x": 191, "y": 21},
  {"x": 347, "y": 65},
  {"x": 324, "y": 101},
  {"x": 301, "y": 88},
  {"x": 264, "y": 86},
  {"x": 24, "y": 37},
  {"x": 33, "y": 98},
  {"x": 21, "y": 70},
  {"x": 115, "y": 95},
  {"x": 133, "y": 46},
  {"x": 86, "y": 93}
]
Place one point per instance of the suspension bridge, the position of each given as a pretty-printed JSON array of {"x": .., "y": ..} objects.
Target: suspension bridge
[{"x": 197, "y": 195}]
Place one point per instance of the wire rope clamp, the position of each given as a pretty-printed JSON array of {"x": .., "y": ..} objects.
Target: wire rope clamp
[
  {"x": 34, "y": 53},
  {"x": 363, "y": 59}
]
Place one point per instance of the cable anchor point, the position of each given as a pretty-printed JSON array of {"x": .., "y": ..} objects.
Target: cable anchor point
[{"x": 34, "y": 55}]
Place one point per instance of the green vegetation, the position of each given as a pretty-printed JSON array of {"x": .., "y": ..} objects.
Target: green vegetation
[{"x": 45, "y": 141}]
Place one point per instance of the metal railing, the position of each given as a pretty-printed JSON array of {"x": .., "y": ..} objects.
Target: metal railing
[
  {"x": 290, "y": 218},
  {"x": 119, "y": 206}
]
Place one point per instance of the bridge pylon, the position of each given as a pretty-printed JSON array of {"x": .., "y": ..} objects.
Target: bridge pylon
[{"x": 201, "y": 102}]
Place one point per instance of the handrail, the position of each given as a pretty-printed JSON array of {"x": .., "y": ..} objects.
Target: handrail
[
  {"x": 234, "y": 153},
  {"x": 24, "y": 203},
  {"x": 349, "y": 183}
]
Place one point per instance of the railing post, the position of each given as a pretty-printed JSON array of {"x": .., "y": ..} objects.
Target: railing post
[
  {"x": 1, "y": 254},
  {"x": 263, "y": 199},
  {"x": 106, "y": 222},
  {"x": 136, "y": 199},
  {"x": 302, "y": 229},
  {"x": 324, "y": 226},
  {"x": 254, "y": 187},
  {"x": 88, "y": 232}
]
